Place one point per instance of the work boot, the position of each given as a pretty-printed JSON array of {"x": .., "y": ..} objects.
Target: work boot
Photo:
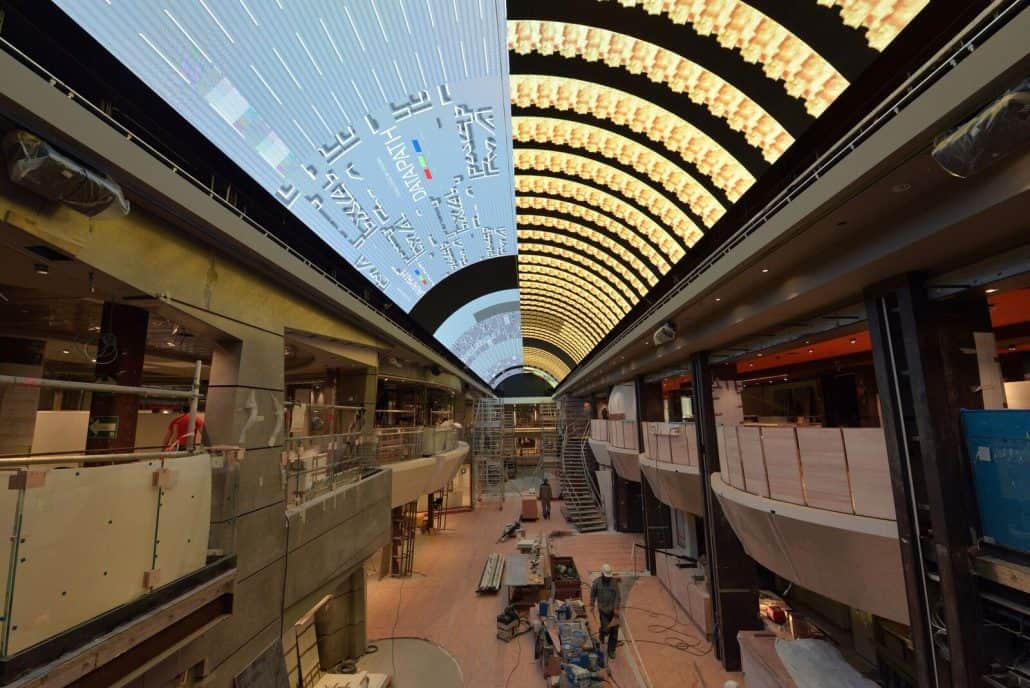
[{"x": 611, "y": 654}]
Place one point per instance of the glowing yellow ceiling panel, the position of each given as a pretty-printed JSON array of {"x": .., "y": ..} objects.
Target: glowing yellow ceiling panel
[
  {"x": 558, "y": 229},
  {"x": 882, "y": 20},
  {"x": 556, "y": 272},
  {"x": 603, "y": 265},
  {"x": 631, "y": 187},
  {"x": 760, "y": 40},
  {"x": 723, "y": 99},
  {"x": 539, "y": 302},
  {"x": 634, "y": 239},
  {"x": 532, "y": 285},
  {"x": 625, "y": 109},
  {"x": 532, "y": 184},
  {"x": 546, "y": 361},
  {"x": 626, "y": 151},
  {"x": 576, "y": 354},
  {"x": 552, "y": 328}
]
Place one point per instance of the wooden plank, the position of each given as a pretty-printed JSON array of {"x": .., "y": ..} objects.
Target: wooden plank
[
  {"x": 780, "y": 446},
  {"x": 87, "y": 539},
  {"x": 752, "y": 460},
  {"x": 870, "y": 472},
  {"x": 824, "y": 469}
]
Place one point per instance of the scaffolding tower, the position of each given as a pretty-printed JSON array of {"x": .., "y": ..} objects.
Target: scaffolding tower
[{"x": 488, "y": 448}]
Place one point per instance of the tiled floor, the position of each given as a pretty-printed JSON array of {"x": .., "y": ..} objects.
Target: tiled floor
[{"x": 439, "y": 603}]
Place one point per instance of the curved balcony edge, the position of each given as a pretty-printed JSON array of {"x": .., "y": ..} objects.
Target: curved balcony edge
[
  {"x": 415, "y": 477},
  {"x": 677, "y": 486},
  {"x": 853, "y": 559}
]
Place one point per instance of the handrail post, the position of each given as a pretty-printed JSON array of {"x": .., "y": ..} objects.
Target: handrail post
[{"x": 194, "y": 403}]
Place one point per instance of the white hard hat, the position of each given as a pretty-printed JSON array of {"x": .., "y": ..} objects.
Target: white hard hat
[{"x": 606, "y": 571}]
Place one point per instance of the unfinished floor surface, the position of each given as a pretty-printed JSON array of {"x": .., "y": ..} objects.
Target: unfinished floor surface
[{"x": 662, "y": 649}]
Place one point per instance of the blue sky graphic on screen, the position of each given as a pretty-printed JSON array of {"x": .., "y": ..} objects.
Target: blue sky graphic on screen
[{"x": 384, "y": 125}]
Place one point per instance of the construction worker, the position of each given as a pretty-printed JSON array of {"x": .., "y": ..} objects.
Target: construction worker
[
  {"x": 604, "y": 595},
  {"x": 544, "y": 493}
]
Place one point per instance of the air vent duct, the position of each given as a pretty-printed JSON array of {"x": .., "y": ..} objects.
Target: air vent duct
[
  {"x": 1000, "y": 129},
  {"x": 36, "y": 165}
]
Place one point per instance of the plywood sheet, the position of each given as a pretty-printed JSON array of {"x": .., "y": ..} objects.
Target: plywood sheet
[
  {"x": 751, "y": 458},
  {"x": 185, "y": 517},
  {"x": 783, "y": 464},
  {"x": 690, "y": 432},
  {"x": 824, "y": 469},
  {"x": 88, "y": 537},
  {"x": 8, "y": 513},
  {"x": 870, "y": 473},
  {"x": 729, "y": 455}
]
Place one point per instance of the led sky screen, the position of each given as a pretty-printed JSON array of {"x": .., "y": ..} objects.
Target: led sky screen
[{"x": 383, "y": 124}]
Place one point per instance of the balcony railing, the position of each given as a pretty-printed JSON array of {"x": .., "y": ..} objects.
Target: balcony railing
[
  {"x": 319, "y": 464},
  {"x": 837, "y": 469},
  {"x": 622, "y": 434},
  {"x": 674, "y": 443}
]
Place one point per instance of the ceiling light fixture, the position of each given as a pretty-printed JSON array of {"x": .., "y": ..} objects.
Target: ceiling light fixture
[
  {"x": 992, "y": 290},
  {"x": 760, "y": 355},
  {"x": 852, "y": 341},
  {"x": 718, "y": 299},
  {"x": 811, "y": 351},
  {"x": 66, "y": 351},
  {"x": 1012, "y": 347},
  {"x": 170, "y": 343},
  {"x": 764, "y": 270},
  {"x": 42, "y": 269}
]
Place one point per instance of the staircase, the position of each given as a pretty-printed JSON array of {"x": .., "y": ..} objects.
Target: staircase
[{"x": 581, "y": 501}]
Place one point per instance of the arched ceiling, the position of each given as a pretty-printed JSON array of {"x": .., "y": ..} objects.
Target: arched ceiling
[{"x": 638, "y": 123}]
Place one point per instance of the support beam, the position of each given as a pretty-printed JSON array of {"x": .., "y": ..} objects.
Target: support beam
[
  {"x": 731, "y": 572},
  {"x": 925, "y": 377},
  {"x": 121, "y": 346}
]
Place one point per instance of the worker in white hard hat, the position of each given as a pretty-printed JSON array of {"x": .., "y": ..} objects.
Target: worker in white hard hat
[{"x": 604, "y": 595}]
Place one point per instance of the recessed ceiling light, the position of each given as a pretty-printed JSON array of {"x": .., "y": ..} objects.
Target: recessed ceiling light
[
  {"x": 853, "y": 341},
  {"x": 765, "y": 269},
  {"x": 811, "y": 351},
  {"x": 93, "y": 360},
  {"x": 94, "y": 328},
  {"x": 170, "y": 343},
  {"x": 901, "y": 188},
  {"x": 992, "y": 290},
  {"x": 66, "y": 351},
  {"x": 42, "y": 269},
  {"x": 760, "y": 355},
  {"x": 718, "y": 299},
  {"x": 1012, "y": 347},
  {"x": 750, "y": 365}
]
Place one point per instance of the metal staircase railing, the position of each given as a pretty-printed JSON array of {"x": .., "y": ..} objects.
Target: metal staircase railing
[{"x": 582, "y": 504}]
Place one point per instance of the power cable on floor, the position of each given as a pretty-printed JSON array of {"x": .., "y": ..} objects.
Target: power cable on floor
[{"x": 518, "y": 659}]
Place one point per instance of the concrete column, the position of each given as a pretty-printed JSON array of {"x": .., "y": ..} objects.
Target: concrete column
[
  {"x": 358, "y": 388},
  {"x": 18, "y": 404},
  {"x": 121, "y": 349},
  {"x": 340, "y": 624},
  {"x": 245, "y": 409}
]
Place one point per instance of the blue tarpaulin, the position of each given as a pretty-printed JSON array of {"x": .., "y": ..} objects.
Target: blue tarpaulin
[{"x": 998, "y": 442}]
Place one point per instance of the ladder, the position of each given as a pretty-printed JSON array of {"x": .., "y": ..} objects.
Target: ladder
[
  {"x": 581, "y": 502},
  {"x": 402, "y": 545}
]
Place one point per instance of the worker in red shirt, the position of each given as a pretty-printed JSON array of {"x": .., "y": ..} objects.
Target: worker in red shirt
[{"x": 177, "y": 437}]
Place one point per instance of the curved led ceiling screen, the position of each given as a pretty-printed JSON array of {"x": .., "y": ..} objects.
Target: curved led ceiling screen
[{"x": 384, "y": 125}]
